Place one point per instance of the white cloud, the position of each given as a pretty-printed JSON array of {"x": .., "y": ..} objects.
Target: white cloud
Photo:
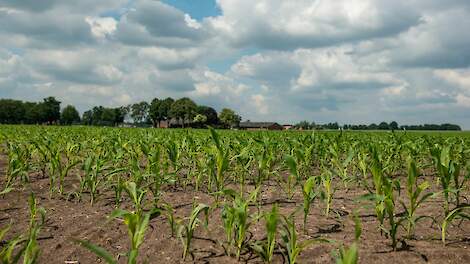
[
  {"x": 192, "y": 23},
  {"x": 101, "y": 26},
  {"x": 260, "y": 102},
  {"x": 344, "y": 60},
  {"x": 281, "y": 24},
  {"x": 460, "y": 78}
]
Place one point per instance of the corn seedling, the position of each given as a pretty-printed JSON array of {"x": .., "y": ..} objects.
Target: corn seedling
[
  {"x": 266, "y": 248},
  {"x": 350, "y": 255},
  {"x": 186, "y": 231},
  {"x": 237, "y": 219},
  {"x": 448, "y": 171},
  {"x": 137, "y": 224},
  {"x": 326, "y": 179},
  {"x": 290, "y": 246},
  {"x": 309, "y": 195},
  {"x": 415, "y": 197},
  {"x": 457, "y": 213},
  {"x": 289, "y": 184}
]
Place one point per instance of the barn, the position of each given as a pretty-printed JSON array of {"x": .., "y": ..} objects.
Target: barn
[{"x": 248, "y": 125}]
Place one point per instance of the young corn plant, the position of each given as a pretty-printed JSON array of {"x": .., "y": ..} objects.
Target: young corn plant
[
  {"x": 362, "y": 162},
  {"x": 458, "y": 213},
  {"x": 449, "y": 172},
  {"x": 186, "y": 231},
  {"x": 415, "y": 197},
  {"x": 385, "y": 203},
  {"x": 309, "y": 195},
  {"x": 96, "y": 171},
  {"x": 118, "y": 187},
  {"x": 173, "y": 154},
  {"x": 341, "y": 166},
  {"x": 290, "y": 246},
  {"x": 243, "y": 164},
  {"x": 290, "y": 182},
  {"x": 137, "y": 224},
  {"x": 29, "y": 251},
  {"x": 136, "y": 194},
  {"x": 327, "y": 193},
  {"x": 394, "y": 222},
  {"x": 7, "y": 250},
  {"x": 265, "y": 249},
  {"x": 237, "y": 220},
  {"x": 350, "y": 255},
  {"x": 221, "y": 160},
  {"x": 378, "y": 180},
  {"x": 264, "y": 163},
  {"x": 170, "y": 216},
  {"x": 18, "y": 165},
  {"x": 155, "y": 171},
  {"x": 61, "y": 167}
]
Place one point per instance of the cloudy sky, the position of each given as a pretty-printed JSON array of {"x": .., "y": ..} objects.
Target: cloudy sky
[{"x": 351, "y": 61}]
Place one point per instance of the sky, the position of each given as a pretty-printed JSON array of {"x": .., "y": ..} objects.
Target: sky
[{"x": 346, "y": 61}]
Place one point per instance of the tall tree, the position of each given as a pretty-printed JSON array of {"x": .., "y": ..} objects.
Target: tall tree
[
  {"x": 229, "y": 118},
  {"x": 120, "y": 114},
  {"x": 50, "y": 109},
  {"x": 96, "y": 117},
  {"x": 183, "y": 109},
  {"x": 160, "y": 110},
  {"x": 140, "y": 112},
  {"x": 200, "y": 120},
  {"x": 383, "y": 126},
  {"x": 87, "y": 118},
  {"x": 11, "y": 111},
  {"x": 393, "y": 125},
  {"x": 154, "y": 112},
  {"x": 32, "y": 113},
  {"x": 108, "y": 117},
  {"x": 69, "y": 116},
  {"x": 210, "y": 113}
]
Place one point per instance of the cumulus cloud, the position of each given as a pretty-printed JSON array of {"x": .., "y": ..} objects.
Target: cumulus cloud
[
  {"x": 153, "y": 23},
  {"x": 304, "y": 23},
  {"x": 101, "y": 26},
  {"x": 346, "y": 60}
]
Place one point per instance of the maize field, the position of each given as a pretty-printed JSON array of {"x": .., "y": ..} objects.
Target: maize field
[{"x": 117, "y": 195}]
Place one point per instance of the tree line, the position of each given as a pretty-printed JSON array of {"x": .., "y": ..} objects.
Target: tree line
[
  {"x": 381, "y": 126},
  {"x": 181, "y": 112},
  {"x": 19, "y": 112}
]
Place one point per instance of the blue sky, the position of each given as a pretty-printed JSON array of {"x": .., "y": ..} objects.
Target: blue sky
[
  {"x": 350, "y": 61},
  {"x": 198, "y": 9}
]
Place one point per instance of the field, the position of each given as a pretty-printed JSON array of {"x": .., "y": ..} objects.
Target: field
[{"x": 109, "y": 195}]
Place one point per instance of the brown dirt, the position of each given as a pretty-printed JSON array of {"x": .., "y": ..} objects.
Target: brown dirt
[{"x": 69, "y": 219}]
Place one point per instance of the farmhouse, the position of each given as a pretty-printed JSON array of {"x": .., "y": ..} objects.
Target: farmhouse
[
  {"x": 288, "y": 126},
  {"x": 170, "y": 123},
  {"x": 248, "y": 125}
]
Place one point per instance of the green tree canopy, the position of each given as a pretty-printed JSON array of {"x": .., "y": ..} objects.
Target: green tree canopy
[
  {"x": 200, "y": 119},
  {"x": 69, "y": 115},
  {"x": 140, "y": 112},
  {"x": 393, "y": 125},
  {"x": 229, "y": 118},
  {"x": 160, "y": 110},
  {"x": 50, "y": 109},
  {"x": 11, "y": 111},
  {"x": 210, "y": 113},
  {"x": 183, "y": 109}
]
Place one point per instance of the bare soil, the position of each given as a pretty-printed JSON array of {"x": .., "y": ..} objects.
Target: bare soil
[{"x": 71, "y": 219}]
